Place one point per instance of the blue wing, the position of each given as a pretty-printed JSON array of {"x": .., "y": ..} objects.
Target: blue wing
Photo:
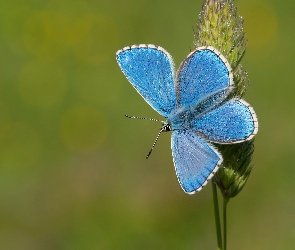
[
  {"x": 194, "y": 159},
  {"x": 150, "y": 70},
  {"x": 204, "y": 72},
  {"x": 232, "y": 122}
]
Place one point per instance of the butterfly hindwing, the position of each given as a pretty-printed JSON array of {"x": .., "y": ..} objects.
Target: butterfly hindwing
[
  {"x": 194, "y": 159},
  {"x": 150, "y": 70},
  {"x": 234, "y": 121},
  {"x": 201, "y": 74}
]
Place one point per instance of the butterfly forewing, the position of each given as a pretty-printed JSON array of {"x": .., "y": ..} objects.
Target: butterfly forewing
[
  {"x": 201, "y": 74},
  {"x": 150, "y": 70}
]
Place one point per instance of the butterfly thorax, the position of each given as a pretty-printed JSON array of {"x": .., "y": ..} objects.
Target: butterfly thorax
[
  {"x": 181, "y": 119},
  {"x": 185, "y": 117}
]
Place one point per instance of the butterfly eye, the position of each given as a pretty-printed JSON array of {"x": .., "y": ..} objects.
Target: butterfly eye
[{"x": 168, "y": 128}]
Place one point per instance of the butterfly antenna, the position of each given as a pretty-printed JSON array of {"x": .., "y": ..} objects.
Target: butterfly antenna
[
  {"x": 143, "y": 118},
  {"x": 149, "y": 153}
]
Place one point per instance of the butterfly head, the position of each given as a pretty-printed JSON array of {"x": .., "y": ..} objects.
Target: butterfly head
[
  {"x": 180, "y": 119},
  {"x": 166, "y": 126}
]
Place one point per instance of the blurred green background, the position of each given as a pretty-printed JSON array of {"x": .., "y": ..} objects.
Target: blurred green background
[{"x": 73, "y": 173}]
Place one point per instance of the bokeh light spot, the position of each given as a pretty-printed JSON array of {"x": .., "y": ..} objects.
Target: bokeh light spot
[
  {"x": 42, "y": 84},
  {"x": 43, "y": 33},
  {"x": 83, "y": 129},
  {"x": 99, "y": 38}
]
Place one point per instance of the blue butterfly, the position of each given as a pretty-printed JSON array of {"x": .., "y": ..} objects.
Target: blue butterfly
[{"x": 194, "y": 103}]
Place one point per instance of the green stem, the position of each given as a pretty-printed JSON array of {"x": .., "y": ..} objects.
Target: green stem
[
  {"x": 217, "y": 218},
  {"x": 225, "y": 201}
]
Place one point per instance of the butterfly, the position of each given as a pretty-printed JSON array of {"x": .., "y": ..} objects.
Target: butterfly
[{"x": 195, "y": 103}]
